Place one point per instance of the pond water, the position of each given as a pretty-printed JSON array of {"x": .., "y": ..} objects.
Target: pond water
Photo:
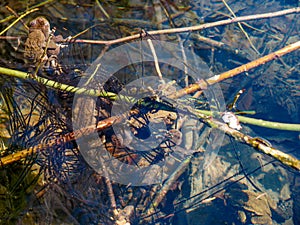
[{"x": 96, "y": 129}]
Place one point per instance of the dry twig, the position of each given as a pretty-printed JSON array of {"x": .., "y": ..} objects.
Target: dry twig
[
  {"x": 241, "y": 27},
  {"x": 195, "y": 28},
  {"x": 202, "y": 84}
]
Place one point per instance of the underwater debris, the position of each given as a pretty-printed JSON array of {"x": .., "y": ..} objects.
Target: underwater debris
[{"x": 231, "y": 120}]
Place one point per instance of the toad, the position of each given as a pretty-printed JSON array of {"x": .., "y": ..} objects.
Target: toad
[
  {"x": 36, "y": 42},
  {"x": 254, "y": 207}
]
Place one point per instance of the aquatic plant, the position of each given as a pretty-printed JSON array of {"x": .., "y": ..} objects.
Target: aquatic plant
[{"x": 45, "y": 174}]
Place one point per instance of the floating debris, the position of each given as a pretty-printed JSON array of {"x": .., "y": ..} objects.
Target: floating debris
[{"x": 231, "y": 119}]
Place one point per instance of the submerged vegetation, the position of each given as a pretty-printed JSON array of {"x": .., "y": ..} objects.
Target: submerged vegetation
[{"x": 57, "y": 96}]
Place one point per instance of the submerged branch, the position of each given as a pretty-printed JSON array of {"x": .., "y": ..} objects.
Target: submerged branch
[
  {"x": 166, "y": 187},
  {"x": 282, "y": 157},
  {"x": 194, "y": 28},
  {"x": 254, "y": 142},
  {"x": 202, "y": 84},
  {"x": 103, "y": 124}
]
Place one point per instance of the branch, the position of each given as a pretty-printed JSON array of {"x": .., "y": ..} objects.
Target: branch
[
  {"x": 254, "y": 142},
  {"x": 194, "y": 28},
  {"x": 202, "y": 84},
  {"x": 103, "y": 124},
  {"x": 284, "y": 158},
  {"x": 167, "y": 185}
]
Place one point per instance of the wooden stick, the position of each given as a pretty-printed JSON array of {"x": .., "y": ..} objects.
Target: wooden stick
[
  {"x": 202, "y": 84},
  {"x": 194, "y": 28},
  {"x": 103, "y": 124},
  {"x": 166, "y": 187},
  {"x": 284, "y": 158}
]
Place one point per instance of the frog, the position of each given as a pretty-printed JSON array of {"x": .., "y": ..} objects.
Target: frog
[
  {"x": 252, "y": 206},
  {"x": 36, "y": 42}
]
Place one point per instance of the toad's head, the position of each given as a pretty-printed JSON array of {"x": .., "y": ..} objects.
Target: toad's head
[{"x": 40, "y": 23}]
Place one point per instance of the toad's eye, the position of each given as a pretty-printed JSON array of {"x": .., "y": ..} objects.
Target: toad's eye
[{"x": 32, "y": 23}]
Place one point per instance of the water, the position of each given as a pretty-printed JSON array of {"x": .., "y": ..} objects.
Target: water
[{"x": 239, "y": 185}]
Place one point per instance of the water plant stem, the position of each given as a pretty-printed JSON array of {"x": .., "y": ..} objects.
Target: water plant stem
[
  {"x": 57, "y": 85},
  {"x": 17, "y": 20},
  {"x": 262, "y": 123}
]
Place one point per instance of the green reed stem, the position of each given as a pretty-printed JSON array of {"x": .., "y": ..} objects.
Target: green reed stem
[
  {"x": 57, "y": 85},
  {"x": 17, "y": 20},
  {"x": 113, "y": 96},
  {"x": 33, "y": 7},
  {"x": 261, "y": 123}
]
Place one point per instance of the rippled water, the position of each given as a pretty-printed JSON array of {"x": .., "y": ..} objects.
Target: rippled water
[{"x": 239, "y": 186}]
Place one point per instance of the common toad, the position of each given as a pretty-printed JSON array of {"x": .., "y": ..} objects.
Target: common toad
[{"x": 39, "y": 31}]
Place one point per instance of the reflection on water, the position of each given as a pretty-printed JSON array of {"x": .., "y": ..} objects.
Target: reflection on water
[{"x": 53, "y": 184}]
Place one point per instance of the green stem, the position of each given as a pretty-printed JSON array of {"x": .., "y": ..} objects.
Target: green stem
[
  {"x": 17, "y": 20},
  {"x": 261, "y": 123},
  {"x": 113, "y": 96},
  {"x": 269, "y": 124},
  {"x": 33, "y": 7},
  {"x": 57, "y": 85}
]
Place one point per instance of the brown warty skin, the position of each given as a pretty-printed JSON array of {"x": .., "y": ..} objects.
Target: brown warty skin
[{"x": 39, "y": 31}]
